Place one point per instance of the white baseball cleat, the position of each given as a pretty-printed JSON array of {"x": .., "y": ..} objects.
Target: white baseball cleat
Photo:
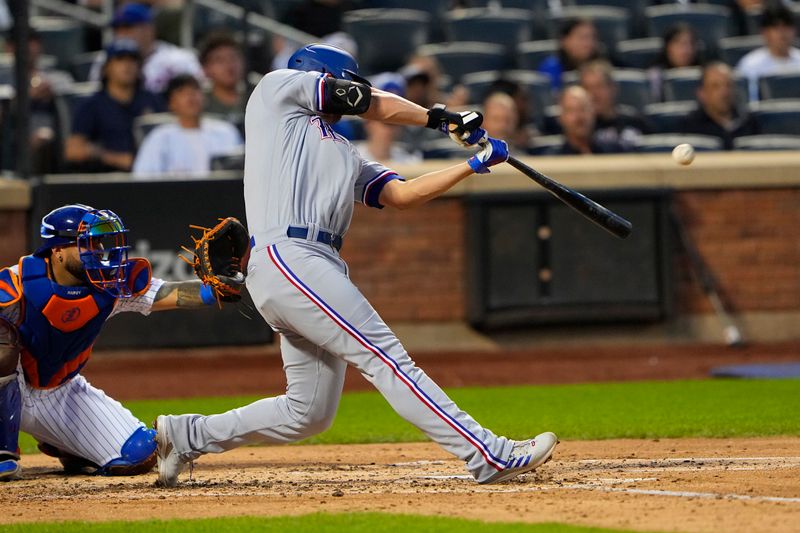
[
  {"x": 170, "y": 464},
  {"x": 526, "y": 455}
]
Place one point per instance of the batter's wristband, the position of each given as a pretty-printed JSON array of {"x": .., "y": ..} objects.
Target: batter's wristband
[
  {"x": 207, "y": 295},
  {"x": 436, "y": 116}
]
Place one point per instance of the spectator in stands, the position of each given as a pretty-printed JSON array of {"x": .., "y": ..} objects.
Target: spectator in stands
[
  {"x": 577, "y": 44},
  {"x": 614, "y": 123},
  {"x": 223, "y": 64},
  {"x": 717, "y": 115},
  {"x": 577, "y": 123},
  {"x": 777, "y": 55},
  {"x": 102, "y": 129},
  {"x": 501, "y": 121},
  {"x": 427, "y": 66},
  {"x": 162, "y": 60},
  {"x": 187, "y": 146},
  {"x": 680, "y": 49},
  {"x": 45, "y": 83},
  {"x": 382, "y": 139}
]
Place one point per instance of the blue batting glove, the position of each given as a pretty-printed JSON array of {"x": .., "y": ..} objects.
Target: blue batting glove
[{"x": 494, "y": 151}]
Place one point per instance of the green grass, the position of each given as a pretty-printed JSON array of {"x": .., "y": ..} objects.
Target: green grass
[
  {"x": 318, "y": 523},
  {"x": 708, "y": 408}
]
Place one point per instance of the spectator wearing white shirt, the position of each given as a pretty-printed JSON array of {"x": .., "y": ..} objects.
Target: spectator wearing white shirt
[
  {"x": 186, "y": 147},
  {"x": 778, "y": 55},
  {"x": 162, "y": 60}
]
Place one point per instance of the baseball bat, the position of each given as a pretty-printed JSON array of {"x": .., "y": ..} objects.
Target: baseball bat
[
  {"x": 603, "y": 217},
  {"x": 703, "y": 275}
]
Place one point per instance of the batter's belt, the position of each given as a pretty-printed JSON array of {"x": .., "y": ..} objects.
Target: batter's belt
[{"x": 309, "y": 233}]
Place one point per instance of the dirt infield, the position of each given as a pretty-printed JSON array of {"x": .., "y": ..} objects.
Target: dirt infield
[{"x": 666, "y": 485}]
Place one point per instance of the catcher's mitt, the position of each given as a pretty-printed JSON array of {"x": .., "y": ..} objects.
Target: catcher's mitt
[{"x": 218, "y": 257}]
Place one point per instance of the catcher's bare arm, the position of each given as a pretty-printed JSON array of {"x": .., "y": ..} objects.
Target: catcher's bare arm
[{"x": 179, "y": 295}]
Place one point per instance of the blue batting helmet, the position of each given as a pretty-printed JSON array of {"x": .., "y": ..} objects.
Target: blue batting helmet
[{"x": 326, "y": 58}]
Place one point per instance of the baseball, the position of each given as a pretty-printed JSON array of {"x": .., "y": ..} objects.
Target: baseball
[{"x": 683, "y": 154}]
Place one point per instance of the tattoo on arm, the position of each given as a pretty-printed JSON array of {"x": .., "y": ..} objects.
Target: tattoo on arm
[{"x": 187, "y": 293}]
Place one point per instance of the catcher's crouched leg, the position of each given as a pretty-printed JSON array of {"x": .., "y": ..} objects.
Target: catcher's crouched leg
[{"x": 137, "y": 456}]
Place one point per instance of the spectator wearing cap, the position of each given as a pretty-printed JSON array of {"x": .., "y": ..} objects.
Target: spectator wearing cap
[
  {"x": 577, "y": 121},
  {"x": 161, "y": 60},
  {"x": 187, "y": 146},
  {"x": 777, "y": 55},
  {"x": 382, "y": 139},
  {"x": 223, "y": 65},
  {"x": 717, "y": 114},
  {"x": 614, "y": 123},
  {"x": 102, "y": 128}
]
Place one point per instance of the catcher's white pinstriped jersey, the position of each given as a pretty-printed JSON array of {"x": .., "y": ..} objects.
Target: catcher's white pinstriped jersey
[{"x": 76, "y": 417}]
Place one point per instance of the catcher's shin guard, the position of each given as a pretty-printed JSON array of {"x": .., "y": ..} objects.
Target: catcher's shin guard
[
  {"x": 10, "y": 413},
  {"x": 138, "y": 455}
]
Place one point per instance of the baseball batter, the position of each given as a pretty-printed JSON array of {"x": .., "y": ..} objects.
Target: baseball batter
[
  {"x": 301, "y": 179},
  {"x": 53, "y": 305}
]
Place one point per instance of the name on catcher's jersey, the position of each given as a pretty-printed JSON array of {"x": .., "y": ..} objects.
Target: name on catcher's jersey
[
  {"x": 58, "y": 325},
  {"x": 298, "y": 170}
]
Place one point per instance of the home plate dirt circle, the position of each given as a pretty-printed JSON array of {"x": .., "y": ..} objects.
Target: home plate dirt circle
[{"x": 669, "y": 485}]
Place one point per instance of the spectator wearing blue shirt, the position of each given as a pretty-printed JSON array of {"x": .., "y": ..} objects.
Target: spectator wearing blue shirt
[
  {"x": 102, "y": 129},
  {"x": 577, "y": 45}
]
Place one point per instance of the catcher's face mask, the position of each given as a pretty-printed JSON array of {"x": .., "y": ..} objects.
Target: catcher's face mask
[{"x": 103, "y": 248}]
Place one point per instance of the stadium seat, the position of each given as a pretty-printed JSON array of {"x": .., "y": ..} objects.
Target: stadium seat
[
  {"x": 681, "y": 83},
  {"x": 668, "y": 117},
  {"x": 508, "y": 27},
  {"x": 444, "y": 148},
  {"x": 551, "y": 124},
  {"x": 68, "y": 101},
  {"x": 82, "y": 64},
  {"x": 230, "y": 161},
  {"x": 386, "y": 37},
  {"x": 777, "y": 116},
  {"x": 144, "y": 124},
  {"x": 535, "y": 84},
  {"x": 531, "y": 54},
  {"x": 733, "y": 49},
  {"x": 711, "y": 22},
  {"x": 611, "y": 23},
  {"x": 634, "y": 87},
  {"x": 542, "y": 144},
  {"x": 538, "y": 11},
  {"x": 785, "y": 85},
  {"x": 767, "y": 142},
  {"x": 61, "y": 37},
  {"x": 460, "y": 58},
  {"x": 635, "y": 12},
  {"x": 639, "y": 53},
  {"x": 661, "y": 142},
  {"x": 436, "y": 9}
]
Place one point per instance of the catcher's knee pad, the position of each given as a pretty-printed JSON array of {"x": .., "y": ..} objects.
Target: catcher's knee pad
[{"x": 138, "y": 455}]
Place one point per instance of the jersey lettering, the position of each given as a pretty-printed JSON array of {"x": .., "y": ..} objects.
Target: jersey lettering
[{"x": 326, "y": 130}]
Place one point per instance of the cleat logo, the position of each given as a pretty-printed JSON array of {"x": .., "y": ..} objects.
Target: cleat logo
[{"x": 70, "y": 315}]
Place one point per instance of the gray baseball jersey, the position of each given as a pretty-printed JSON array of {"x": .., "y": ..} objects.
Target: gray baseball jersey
[{"x": 299, "y": 172}]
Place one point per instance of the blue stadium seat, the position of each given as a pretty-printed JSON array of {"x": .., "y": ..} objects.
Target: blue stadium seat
[
  {"x": 635, "y": 11},
  {"x": 537, "y": 9},
  {"x": 665, "y": 142},
  {"x": 543, "y": 144},
  {"x": 777, "y": 116},
  {"x": 535, "y": 84},
  {"x": 386, "y": 37},
  {"x": 67, "y": 103},
  {"x": 508, "y": 27},
  {"x": 785, "y": 85},
  {"x": 144, "y": 124},
  {"x": 460, "y": 58},
  {"x": 733, "y": 49},
  {"x": 668, "y": 117},
  {"x": 767, "y": 142},
  {"x": 639, "y": 53},
  {"x": 711, "y": 22},
  {"x": 633, "y": 88},
  {"x": 82, "y": 65},
  {"x": 435, "y": 8},
  {"x": 681, "y": 84},
  {"x": 61, "y": 37},
  {"x": 611, "y": 23},
  {"x": 531, "y": 54}
]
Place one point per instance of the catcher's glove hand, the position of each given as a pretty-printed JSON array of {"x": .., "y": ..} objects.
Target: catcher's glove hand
[{"x": 218, "y": 257}]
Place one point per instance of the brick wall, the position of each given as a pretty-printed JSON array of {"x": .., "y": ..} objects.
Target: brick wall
[
  {"x": 13, "y": 236},
  {"x": 411, "y": 264}
]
